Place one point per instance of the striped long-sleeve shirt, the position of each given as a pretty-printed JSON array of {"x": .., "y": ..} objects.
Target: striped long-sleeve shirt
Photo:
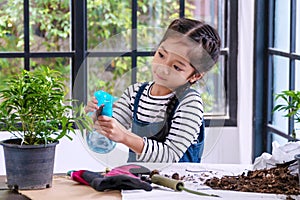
[{"x": 185, "y": 124}]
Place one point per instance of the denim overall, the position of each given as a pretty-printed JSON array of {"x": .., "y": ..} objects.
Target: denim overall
[{"x": 159, "y": 130}]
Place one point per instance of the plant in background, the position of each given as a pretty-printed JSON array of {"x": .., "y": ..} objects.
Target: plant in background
[
  {"x": 32, "y": 108},
  {"x": 291, "y": 105}
]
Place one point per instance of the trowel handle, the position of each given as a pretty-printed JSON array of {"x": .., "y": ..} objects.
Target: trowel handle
[{"x": 167, "y": 182}]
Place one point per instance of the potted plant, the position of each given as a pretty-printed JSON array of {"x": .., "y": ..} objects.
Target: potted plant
[
  {"x": 34, "y": 110},
  {"x": 291, "y": 105}
]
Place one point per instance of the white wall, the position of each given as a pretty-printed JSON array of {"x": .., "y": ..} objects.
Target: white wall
[
  {"x": 234, "y": 144},
  {"x": 223, "y": 145},
  {"x": 245, "y": 79}
]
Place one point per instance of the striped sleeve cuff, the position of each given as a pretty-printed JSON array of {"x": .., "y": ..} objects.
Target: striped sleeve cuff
[{"x": 141, "y": 157}]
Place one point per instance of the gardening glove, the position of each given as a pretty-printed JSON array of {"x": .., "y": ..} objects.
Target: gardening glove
[
  {"x": 117, "y": 182},
  {"x": 76, "y": 176},
  {"x": 119, "y": 178},
  {"x": 132, "y": 170}
]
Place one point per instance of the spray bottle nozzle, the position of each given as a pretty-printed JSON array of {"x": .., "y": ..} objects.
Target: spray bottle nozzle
[{"x": 106, "y": 101}]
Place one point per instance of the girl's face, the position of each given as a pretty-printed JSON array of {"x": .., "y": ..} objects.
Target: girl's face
[{"x": 171, "y": 67}]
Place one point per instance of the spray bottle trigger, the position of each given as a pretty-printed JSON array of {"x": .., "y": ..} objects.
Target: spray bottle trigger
[{"x": 99, "y": 111}]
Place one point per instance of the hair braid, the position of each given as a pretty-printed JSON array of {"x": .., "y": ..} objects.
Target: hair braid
[{"x": 202, "y": 33}]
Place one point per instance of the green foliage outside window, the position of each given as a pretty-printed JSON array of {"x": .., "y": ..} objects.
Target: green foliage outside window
[{"x": 50, "y": 30}]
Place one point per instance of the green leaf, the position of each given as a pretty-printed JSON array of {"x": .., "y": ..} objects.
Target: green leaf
[
  {"x": 34, "y": 99},
  {"x": 291, "y": 104}
]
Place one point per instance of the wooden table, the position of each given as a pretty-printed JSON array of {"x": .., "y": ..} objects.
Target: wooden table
[
  {"x": 66, "y": 189},
  {"x": 62, "y": 188},
  {"x": 6, "y": 194}
]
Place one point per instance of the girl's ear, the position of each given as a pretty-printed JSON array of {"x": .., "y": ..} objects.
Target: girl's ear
[{"x": 196, "y": 77}]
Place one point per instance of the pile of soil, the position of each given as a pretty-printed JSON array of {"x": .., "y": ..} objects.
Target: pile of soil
[{"x": 276, "y": 180}]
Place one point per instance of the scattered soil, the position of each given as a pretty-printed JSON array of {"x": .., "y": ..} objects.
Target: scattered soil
[{"x": 276, "y": 180}]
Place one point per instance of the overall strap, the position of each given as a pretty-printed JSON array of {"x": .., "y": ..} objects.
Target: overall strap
[
  {"x": 176, "y": 102},
  {"x": 137, "y": 98}
]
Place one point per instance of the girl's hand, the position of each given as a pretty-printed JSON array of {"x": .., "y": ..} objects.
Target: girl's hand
[
  {"x": 111, "y": 128},
  {"x": 92, "y": 106}
]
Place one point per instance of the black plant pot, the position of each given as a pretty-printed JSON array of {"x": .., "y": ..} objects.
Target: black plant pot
[{"x": 28, "y": 166}]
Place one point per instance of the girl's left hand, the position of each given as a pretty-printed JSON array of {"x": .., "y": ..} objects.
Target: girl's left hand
[{"x": 110, "y": 128}]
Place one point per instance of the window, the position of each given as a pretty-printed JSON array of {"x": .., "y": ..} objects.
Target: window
[
  {"x": 109, "y": 44},
  {"x": 35, "y": 33},
  {"x": 277, "y": 69}
]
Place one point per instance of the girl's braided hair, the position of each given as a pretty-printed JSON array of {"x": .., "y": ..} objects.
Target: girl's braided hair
[{"x": 205, "y": 35}]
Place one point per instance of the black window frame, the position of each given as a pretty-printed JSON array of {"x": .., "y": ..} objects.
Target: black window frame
[
  {"x": 79, "y": 52},
  {"x": 263, "y": 77}
]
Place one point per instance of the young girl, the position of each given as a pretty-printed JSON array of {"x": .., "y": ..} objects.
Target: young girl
[{"x": 162, "y": 121}]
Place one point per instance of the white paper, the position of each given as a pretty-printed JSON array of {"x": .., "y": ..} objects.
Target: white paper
[
  {"x": 280, "y": 154},
  {"x": 198, "y": 170},
  {"x": 172, "y": 195}
]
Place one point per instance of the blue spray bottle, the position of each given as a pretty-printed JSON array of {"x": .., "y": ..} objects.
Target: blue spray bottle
[{"x": 96, "y": 141}]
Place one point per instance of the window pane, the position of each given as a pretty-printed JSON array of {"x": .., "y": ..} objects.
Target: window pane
[
  {"x": 280, "y": 74},
  {"x": 59, "y": 64},
  {"x": 279, "y": 139},
  {"x": 144, "y": 68},
  {"x": 11, "y": 26},
  {"x": 212, "y": 90},
  {"x": 10, "y": 66},
  {"x": 210, "y": 11},
  {"x": 298, "y": 28},
  {"x": 206, "y": 10},
  {"x": 149, "y": 37},
  {"x": 153, "y": 19},
  {"x": 297, "y": 75},
  {"x": 282, "y": 25},
  {"x": 281, "y": 83},
  {"x": 107, "y": 19},
  {"x": 110, "y": 74},
  {"x": 116, "y": 43},
  {"x": 297, "y": 88},
  {"x": 50, "y": 25},
  {"x": 212, "y": 85}
]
